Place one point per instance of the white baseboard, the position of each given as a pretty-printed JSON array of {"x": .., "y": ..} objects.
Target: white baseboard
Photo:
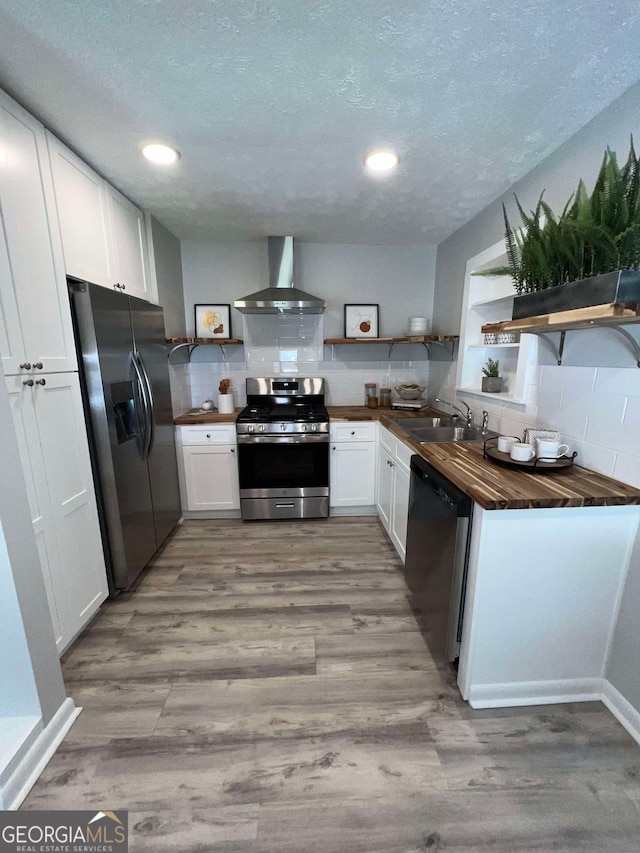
[
  {"x": 353, "y": 510},
  {"x": 557, "y": 692},
  {"x": 622, "y": 710},
  {"x": 535, "y": 693},
  {"x": 23, "y": 778},
  {"x": 210, "y": 513}
]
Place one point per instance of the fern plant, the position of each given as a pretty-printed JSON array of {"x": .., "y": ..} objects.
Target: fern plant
[{"x": 594, "y": 234}]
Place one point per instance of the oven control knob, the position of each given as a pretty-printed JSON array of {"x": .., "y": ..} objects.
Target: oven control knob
[
  {"x": 250, "y": 428},
  {"x": 262, "y": 427},
  {"x": 283, "y": 427},
  {"x": 303, "y": 427},
  {"x": 314, "y": 427}
]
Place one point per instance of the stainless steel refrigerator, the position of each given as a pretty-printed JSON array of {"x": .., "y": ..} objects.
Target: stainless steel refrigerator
[{"x": 123, "y": 365}]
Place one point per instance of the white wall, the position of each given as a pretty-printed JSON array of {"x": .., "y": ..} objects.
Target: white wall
[
  {"x": 399, "y": 279},
  {"x": 594, "y": 398}
]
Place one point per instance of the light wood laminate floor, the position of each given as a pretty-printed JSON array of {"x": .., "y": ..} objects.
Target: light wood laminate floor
[{"x": 267, "y": 688}]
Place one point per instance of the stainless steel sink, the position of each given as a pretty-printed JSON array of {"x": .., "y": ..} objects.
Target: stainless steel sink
[
  {"x": 451, "y": 433},
  {"x": 429, "y": 430},
  {"x": 412, "y": 424}
]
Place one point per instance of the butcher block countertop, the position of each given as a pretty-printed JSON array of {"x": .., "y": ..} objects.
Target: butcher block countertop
[
  {"x": 362, "y": 413},
  {"x": 495, "y": 486},
  {"x": 336, "y": 413},
  {"x": 196, "y": 417},
  {"x": 489, "y": 484}
]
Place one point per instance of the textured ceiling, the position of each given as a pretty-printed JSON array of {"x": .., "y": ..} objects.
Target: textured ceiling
[{"x": 273, "y": 104}]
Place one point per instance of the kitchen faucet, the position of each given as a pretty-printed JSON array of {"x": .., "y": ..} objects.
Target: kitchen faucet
[{"x": 468, "y": 416}]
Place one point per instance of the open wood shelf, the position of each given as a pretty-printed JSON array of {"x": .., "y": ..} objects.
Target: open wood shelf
[
  {"x": 425, "y": 340},
  {"x": 612, "y": 316},
  {"x": 405, "y": 339},
  {"x": 191, "y": 343},
  {"x": 200, "y": 341}
]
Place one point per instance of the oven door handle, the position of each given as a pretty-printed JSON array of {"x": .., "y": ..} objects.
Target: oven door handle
[{"x": 284, "y": 439}]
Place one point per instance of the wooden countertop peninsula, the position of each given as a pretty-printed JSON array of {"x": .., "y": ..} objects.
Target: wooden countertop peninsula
[
  {"x": 489, "y": 484},
  {"x": 495, "y": 486}
]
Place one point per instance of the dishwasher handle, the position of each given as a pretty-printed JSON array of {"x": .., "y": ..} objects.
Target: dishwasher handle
[{"x": 450, "y": 495}]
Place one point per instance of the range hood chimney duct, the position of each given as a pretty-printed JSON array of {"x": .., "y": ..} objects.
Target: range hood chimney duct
[{"x": 281, "y": 297}]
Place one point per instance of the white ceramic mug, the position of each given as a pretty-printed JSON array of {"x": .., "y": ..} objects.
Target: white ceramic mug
[
  {"x": 206, "y": 405},
  {"x": 548, "y": 449},
  {"x": 506, "y": 442},
  {"x": 522, "y": 452}
]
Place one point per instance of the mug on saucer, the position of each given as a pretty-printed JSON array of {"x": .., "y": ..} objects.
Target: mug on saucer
[
  {"x": 522, "y": 452},
  {"x": 549, "y": 449}
]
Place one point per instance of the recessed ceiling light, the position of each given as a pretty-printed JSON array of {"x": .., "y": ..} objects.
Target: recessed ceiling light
[
  {"x": 381, "y": 161},
  {"x": 162, "y": 154}
]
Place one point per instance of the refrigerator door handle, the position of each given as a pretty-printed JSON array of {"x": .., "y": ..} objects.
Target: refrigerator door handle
[
  {"x": 144, "y": 405},
  {"x": 151, "y": 432}
]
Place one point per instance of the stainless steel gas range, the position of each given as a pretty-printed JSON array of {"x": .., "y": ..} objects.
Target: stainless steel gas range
[{"x": 283, "y": 450}]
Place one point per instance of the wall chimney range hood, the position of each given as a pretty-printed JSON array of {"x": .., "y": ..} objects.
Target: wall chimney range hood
[{"x": 281, "y": 297}]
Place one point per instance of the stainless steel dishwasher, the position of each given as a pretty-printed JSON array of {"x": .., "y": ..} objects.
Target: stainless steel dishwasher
[{"x": 438, "y": 536}]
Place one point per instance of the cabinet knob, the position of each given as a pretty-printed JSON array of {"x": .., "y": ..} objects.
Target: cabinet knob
[
  {"x": 208, "y": 435},
  {"x": 26, "y": 365},
  {"x": 41, "y": 381},
  {"x": 38, "y": 365},
  {"x": 28, "y": 382},
  {"x": 353, "y": 432},
  {"x": 123, "y": 286},
  {"x": 334, "y": 447},
  {"x": 233, "y": 450}
]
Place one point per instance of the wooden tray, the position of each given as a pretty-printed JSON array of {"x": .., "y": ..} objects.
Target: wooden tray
[{"x": 535, "y": 466}]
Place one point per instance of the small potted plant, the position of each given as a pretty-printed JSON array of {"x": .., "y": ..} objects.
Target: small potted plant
[{"x": 492, "y": 381}]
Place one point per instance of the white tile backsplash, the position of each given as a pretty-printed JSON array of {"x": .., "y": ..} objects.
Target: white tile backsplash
[
  {"x": 345, "y": 381},
  {"x": 596, "y": 410}
]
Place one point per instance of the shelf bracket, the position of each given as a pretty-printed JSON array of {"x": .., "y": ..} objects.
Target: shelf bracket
[
  {"x": 633, "y": 343},
  {"x": 556, "y": 350},
  {"x": 176, "y": 347}
]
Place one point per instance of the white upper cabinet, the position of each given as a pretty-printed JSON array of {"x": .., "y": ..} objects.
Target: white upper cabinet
[
  {"x": 35, "y": 326},
  {"x": 103, "y": 233},
  {"x": 129, "y": 245},
  {"x": 81, "y": 198}
]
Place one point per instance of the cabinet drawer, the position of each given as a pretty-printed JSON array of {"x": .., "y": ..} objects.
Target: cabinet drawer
[
  {"x": 209, "y": 434},
  {"x": 355, "y": 431}
]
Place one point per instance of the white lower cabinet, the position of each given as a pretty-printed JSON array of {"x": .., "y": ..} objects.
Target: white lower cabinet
[
  {"x": 209, "y": 468},
  {"x": 49, "y": 422},
  {"x": 352, "y": 465},
  {"x": 393, "y": 476}
]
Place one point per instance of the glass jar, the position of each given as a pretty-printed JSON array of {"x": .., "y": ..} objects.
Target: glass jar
[
  {"x": 370, "y": 393},
  {"x": 385, "y": 398}
]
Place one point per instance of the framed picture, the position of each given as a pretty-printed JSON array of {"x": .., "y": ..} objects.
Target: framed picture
[
  {"x": 361, "y": 321},
  {"x": 213, "y": 322}
]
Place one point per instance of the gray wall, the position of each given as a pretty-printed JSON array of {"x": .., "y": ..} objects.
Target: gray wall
[
  {"x": 168, "y": 263},
  {"x": 400, "y": 279},
  {"x": 580, "y": 157},
  {"x": 25, "y": 565},
  {"x": 558, "y": 175}
]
